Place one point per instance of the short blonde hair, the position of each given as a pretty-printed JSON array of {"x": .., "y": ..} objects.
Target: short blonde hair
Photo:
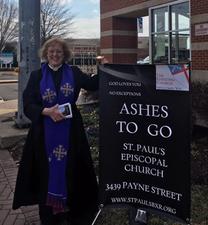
[{"x": 52, "y": 41}]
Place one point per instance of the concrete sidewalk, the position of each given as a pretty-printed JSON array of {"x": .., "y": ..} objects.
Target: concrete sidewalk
[
  {"x": 9, "y": 134},
  {"x": 9, "y": 137}
]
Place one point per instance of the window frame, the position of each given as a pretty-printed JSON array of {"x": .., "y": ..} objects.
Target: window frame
[{"x": 169, "y": 32}]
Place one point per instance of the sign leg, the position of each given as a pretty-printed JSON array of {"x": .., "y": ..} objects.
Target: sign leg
[
  {"x": 98, "y": 213},
  {"x": 138, "y": 217}
]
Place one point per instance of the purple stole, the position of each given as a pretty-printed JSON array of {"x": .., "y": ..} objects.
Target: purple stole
[{"x": 57, "y": 135}]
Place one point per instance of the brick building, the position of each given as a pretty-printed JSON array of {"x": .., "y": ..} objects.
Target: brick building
[
  {"x": 178, "y": 33},
  {"x": 84, "y": 53}
]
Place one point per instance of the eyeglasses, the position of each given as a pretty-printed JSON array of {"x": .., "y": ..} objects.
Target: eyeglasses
[{"x": 58, "y": 52}]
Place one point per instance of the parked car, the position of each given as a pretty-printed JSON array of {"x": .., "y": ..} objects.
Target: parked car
[
  {"x": 1, "y": 99},
  {"x": 144, "y": 61}
]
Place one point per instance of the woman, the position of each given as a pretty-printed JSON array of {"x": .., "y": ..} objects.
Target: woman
[{"x": 56, "y": 170}]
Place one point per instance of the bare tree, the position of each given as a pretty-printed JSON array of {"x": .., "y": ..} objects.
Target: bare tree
[
  {"x": 8, "y": 22},
  {"x": 56, "y": 19}
]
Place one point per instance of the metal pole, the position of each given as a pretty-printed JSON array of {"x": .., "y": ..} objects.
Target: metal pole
[{"x": 29, "y": 44}]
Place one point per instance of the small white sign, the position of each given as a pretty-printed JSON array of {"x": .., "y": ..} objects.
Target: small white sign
[
  {"x": 6, "y": 58},
  {"x": 201, "y": 29},
  {"x": 172, "y": 77}
]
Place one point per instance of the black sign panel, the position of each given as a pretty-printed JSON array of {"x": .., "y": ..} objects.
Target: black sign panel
[{"x": 145, "y": 138}]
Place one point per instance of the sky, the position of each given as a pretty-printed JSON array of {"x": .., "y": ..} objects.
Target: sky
[{"x": 87, "y": 18}]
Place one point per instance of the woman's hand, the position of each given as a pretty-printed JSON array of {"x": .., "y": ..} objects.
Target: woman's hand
[{"x": 54, "y": 113}]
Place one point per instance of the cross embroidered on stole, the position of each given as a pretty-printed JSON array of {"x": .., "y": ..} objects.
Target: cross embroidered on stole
[
  {"x": 60, "y": 152},
  {"x": 49, "y": 95},
  {"x": 67, "y": 89}
]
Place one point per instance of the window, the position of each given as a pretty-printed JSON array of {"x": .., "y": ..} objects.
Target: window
[{"x": 170, "y": 33}]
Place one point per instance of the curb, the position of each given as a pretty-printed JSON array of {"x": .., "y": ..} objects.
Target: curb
[{"x": 8, "y": 81}]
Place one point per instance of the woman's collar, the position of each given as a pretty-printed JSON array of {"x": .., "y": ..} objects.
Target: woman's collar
[{"x": 55, "y": 68}]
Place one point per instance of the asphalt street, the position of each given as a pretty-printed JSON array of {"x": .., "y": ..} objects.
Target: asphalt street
[{"x": 8, "y": 85}]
